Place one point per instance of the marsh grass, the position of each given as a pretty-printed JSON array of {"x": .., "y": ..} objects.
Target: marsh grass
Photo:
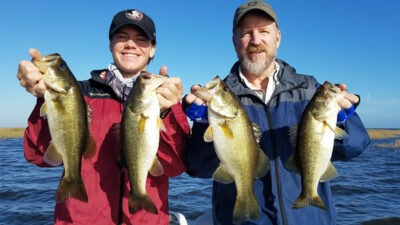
[
  {"x": 14, "y": 132},
  {"x": 382, "y": 133},
  {"x": 395, "y": 145}
]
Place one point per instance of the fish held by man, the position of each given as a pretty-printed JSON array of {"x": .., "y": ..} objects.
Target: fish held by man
[
  {"x": 235, "y": 140},
  {"x": 314, "y": 140},
  {"x": 140, "y": 133},
  {"x": 67, "y": 115}
]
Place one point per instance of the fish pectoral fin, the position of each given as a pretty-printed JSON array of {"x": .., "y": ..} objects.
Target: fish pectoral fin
[
  {"x": 340, "y": 133},
  {"x": 329, "y": 173},
  {"x": 142, "y": 123},
  {"x": 43, "y": 110},
  {"x": 293, "y": 133},
  {"x": 262, "y": 165},
  {"x": 291, "y": 164},
  {"x": 326, "y": 124},
  {"x": 90, "y": 148},
  {"x": 256, "y": 132},
  {"x": 156, "y": 168},
  {"x": 160, "y": 124},
  {"x": 208, "y": 134},
  {"x": 226, "y": 130},
  {"x": 221, "y": 175},
  {"x": 51, "y": 156}
]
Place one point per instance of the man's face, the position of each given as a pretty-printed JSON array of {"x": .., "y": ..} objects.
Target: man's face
[
  {"x": 256, "y": 41},
  {"x": 131, "y": 50}
]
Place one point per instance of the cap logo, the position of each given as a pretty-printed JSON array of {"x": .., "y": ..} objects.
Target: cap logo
[
  {"x": 252, "y": 4},
  {"x": 135, "y": 15}
]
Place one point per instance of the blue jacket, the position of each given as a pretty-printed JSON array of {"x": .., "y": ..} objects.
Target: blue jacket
[{"x": 277, "y": 191}]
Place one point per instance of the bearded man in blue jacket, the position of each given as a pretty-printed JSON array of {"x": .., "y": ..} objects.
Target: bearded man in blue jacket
[{"x": 274, "y": 96}]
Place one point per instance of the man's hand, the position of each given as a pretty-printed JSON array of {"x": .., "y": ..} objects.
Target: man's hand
[
  {"x": 30, "y": 77},
  {"x": 349, "y": 99},
  {"x": 170, "y": 92}
]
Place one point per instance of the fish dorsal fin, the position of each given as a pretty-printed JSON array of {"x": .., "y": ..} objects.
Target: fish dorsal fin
[
  {"x": 160, "y": 124},
  {"x": 291, "y": 164},
  {"x": 293, "y": 133},
  {"x": 156, "y": 168},
  {"x": 142, "y": 123},
  {"x": 90, "y": 149},
  {"x": 43, "y": 110},
  {"x": 340, "y": 133},
  {"x": 262, "y": 166},
  {"x": 256, "y": 132},
  {"x": 329, "y": 173},
  {"x": 208, "y": 134},
  {"x": 51, "y": 156},
  {"x": 226, "y": 129},
  {"x": 221, "y": 175}
]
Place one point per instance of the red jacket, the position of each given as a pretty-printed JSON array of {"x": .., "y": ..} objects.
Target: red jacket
[{"x": 102, "y": 174}]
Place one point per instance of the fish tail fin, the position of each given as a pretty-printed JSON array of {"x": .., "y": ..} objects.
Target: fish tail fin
[
  {"x": 137, "y": 203},
  {"x": 73, "y": 189},
  {"x": 245, "y": 208},
  {"x": 303, "y": 201}
]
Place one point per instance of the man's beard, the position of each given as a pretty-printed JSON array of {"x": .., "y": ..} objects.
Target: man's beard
[{"x": 255, "y": 68}]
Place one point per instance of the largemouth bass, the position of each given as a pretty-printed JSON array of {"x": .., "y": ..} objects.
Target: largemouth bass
[
  {"x": 140, "y": 133},
  {"x": 235, "y": 140},
  {"x": 314, "y": 139},
  {"x": 66, "y": 113}
]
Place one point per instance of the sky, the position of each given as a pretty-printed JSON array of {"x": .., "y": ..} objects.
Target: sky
[{"x": 355, "y": 42}]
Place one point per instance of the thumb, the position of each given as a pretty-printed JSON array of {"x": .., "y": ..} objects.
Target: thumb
[
  {"x": 163, "y": 70},
  {"x": 35, "y": 53}
]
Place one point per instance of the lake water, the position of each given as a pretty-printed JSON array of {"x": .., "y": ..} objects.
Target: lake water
[{"x": 367, "y": 190}]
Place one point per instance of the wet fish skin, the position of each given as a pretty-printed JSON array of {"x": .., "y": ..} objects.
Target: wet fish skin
[
  {"x": 235, "y": 140},
  {"x": 65, "y": 110},
  {"x": 140, "y": 132},
  {"x": 314, "y": 139}
]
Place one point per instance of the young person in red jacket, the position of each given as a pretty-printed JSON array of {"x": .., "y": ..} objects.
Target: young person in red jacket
[{"x": 132, "y": 44}]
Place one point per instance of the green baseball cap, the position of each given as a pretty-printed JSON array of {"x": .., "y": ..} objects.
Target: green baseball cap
[{"x": 253, "y": 5}]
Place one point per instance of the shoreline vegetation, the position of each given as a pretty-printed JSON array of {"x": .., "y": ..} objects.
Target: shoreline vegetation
[{"x": 375, "y": 134}]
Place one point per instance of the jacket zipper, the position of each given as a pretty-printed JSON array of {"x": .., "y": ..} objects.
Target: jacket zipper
[
  {"x": 275, "y": 151},
  {"x": 278, "y": 181}
]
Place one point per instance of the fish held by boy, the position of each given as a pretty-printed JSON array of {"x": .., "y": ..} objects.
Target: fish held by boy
[
  {"x": 140, "y": 133},
  {"x": 67, "y": 115}
]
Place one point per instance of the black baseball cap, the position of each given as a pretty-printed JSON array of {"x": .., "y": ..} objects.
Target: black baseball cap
[
  {"x": 133, "y": 17},
  {"x": 254, "y": 5}
]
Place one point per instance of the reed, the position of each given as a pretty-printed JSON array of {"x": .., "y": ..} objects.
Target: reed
[
  {"x": 13, "y": 132},
  {"x": 395, "y": 145},
  {"x": 383, "y": 133}
]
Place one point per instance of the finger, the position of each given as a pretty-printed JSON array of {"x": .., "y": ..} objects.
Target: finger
[
  {"x": 352, "y": 98},
  {"x": 22, "y": 83},
  {"x": 199, "y": 101},
  {"x": 40, "y": 88},
  {"x": 163, "y": 70},
  {"x": 194, "y": 88},
  {"x": 344, "y": 104},
  {"x": 190, "y": 98},
  {"x": 35, "y": 53}
]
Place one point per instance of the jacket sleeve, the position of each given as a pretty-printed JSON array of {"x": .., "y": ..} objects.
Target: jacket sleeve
[
  {"x": 37, "y": 137},
  {"x": 355, "y": 143},
  {"x": 172, "y": 147},
  {"x": 201, "y": 158}
]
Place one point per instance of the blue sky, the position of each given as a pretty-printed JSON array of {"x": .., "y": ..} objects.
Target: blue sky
[{"x": 343, "y": 41}]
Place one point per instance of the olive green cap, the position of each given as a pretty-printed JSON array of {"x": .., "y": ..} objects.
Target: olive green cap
[{"x": 254, "y": 5}]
